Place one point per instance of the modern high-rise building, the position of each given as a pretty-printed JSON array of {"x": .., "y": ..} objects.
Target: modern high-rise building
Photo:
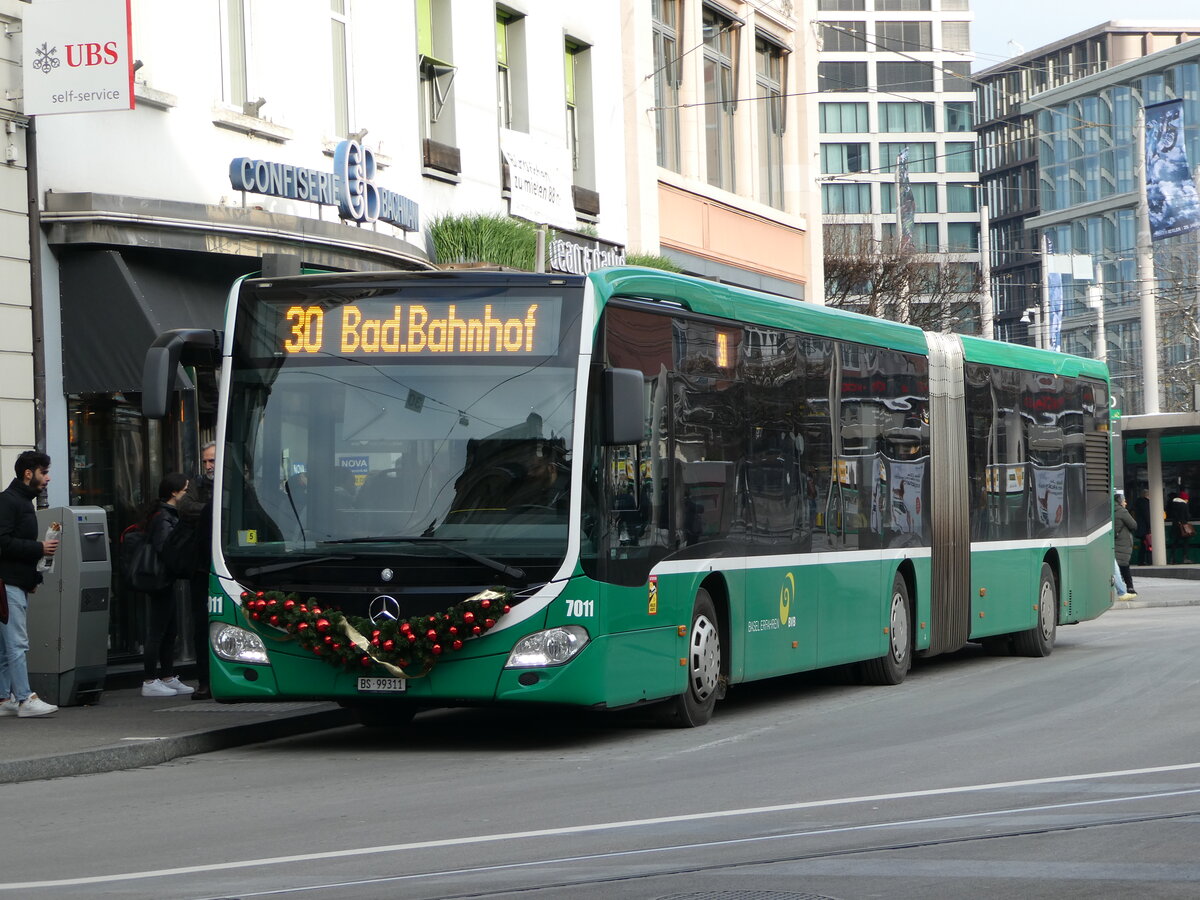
[
  {"x": 893, "y": 77},
  {"x": 1008, "y": 157}
]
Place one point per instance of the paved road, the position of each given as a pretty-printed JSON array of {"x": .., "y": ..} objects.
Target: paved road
[{"x": 1072, "y": 776}]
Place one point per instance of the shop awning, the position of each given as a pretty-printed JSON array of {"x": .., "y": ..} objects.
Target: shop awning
[{"x": 115, "y": 303}]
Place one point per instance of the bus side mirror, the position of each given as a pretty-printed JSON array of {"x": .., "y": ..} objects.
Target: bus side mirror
[
  {"x": 190, "y": 346},
  {"x": 624, "y": 402}
]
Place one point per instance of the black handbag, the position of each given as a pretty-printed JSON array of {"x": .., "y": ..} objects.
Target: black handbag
[{"x": 147, "y": 573}]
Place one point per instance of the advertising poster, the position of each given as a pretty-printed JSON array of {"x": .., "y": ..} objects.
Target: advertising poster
[
  {"x": 907, "y": 206},
  {"x": 1054, "y": 281},
  {"x": 907, "y": 481},
  {"x": 1170, "y": 190},
  {"x": 1048, "y": 488}
]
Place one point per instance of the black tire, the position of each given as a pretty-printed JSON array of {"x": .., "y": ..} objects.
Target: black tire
[
  {"x": 894, "y": 665},
  {"x": 1039, "y": 640},
  {"x": 705, "y": 666}
]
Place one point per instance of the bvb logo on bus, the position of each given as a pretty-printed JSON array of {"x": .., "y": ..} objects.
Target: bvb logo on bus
[{"x": 786, "y": 593}]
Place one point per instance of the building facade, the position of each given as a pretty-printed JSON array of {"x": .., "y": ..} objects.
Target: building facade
[
  {"x": 717, "y": 129},
  {"x": 893, "y": 77},
  {"x": 1008, "y": 149}
]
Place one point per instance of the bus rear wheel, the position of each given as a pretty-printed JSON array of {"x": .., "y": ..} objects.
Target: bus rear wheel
[
  {"x": 694, "y": 707},
  {"x": 1039, "y": 640},
  {"x": 894, "y": 665}
]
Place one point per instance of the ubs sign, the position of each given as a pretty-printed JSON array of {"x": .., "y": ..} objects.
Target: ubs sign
[{"x": 350, "y": 186}]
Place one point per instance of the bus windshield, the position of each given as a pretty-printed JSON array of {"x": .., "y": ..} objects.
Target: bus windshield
[{"x": 406, "y": 422}]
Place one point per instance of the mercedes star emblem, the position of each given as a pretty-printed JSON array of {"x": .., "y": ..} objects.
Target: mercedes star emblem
[
  {"x": 384, "y": 607},
  {"x": 387, "y": 574}
]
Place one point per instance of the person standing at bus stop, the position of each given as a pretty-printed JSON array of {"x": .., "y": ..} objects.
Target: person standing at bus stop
[
  {"x": 1124, "y": 529},
  {"x": 195, "y": 507},
  {"x": 1181, "y": 526},
  {"x": 20, "y": 551}
]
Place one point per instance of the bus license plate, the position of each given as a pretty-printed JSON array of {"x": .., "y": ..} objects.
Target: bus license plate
[{"x": 382, "y": 685}]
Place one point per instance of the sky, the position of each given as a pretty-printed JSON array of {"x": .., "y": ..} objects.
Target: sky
[{"x": 1035, "y": 23}]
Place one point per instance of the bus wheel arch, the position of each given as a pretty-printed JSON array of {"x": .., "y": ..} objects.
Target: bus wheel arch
[
  {"x": 707, "y": 660},
  {"x": 893, "y": 666},
  {"x": 1038, "y": 641}
]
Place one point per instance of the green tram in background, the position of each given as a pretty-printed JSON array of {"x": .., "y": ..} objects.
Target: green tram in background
[{"x": 684, "y": 485}]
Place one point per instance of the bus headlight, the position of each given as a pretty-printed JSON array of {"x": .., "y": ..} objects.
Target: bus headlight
[
  {"x": 237, "y": 644},
  {"x": 551, "y": 647}
]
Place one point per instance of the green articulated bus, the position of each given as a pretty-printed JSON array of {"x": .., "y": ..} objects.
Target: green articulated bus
[{"x": 632, "y": 487}]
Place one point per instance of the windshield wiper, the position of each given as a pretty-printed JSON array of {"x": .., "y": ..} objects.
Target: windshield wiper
[
  {"x": 441, "y": 544},
  {"x": 291, "y": 564}
]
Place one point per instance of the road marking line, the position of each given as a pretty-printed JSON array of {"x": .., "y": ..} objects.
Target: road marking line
[{"x": 585, "y": 829}]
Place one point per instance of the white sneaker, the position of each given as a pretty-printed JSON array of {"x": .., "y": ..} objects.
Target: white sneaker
[
  {"x": 156, "y": 688},
  {"x": 178, "y": 686},
  {"x": 9, "y": 707},
  {"x": 33, "y": 705}
]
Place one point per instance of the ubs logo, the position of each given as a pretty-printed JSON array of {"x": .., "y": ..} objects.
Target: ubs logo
[
  {"x": 45, "y": 59},
  {"x": 384, "y": 608}
]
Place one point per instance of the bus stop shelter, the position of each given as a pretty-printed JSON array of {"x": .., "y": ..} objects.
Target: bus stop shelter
[{"x": 1154, "y": 427}]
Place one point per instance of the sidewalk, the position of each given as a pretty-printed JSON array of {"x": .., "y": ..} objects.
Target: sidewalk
[{"x": 125, "y": 730}]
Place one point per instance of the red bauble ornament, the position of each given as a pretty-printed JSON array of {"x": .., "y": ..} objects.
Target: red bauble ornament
[
  {"x": 468, "y": 617},
  {"x": 289, "y": 604},
  {"x": 302, "y": 627},
  {"x": 454, "y": 629},
  {"x": 436, "y": 649},
  {"x": 260, "y": 593},
  {"x": 457, "y": 645},
  {"x": 375, "y": 641},
  {"x": 255, "y": 616},
  {"x": 329, "y": 638},
  {"x": 389, "y": 645},
  {"x": 366, "y": 662},
  {"x": 476, "y": 630},
  {"x": 405, "y": 627},
  {"x": 433, "y": 618},
  {"x": 412, "y": 637},
  {"x": 485, "y": 604},
  {"x": 316, "y": 610},
  {"x": 322, "y": 625},
  {"x": 488, "y": 623},
  {"x": 507, "y": 607},
  {"x": 274, "y": 620},
  {"x": 337, "y": 646},
  {"x": 431, "y": 634}
]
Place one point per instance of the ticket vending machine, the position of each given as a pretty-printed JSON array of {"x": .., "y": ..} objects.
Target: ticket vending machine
[{"x": 68, "y": 614}]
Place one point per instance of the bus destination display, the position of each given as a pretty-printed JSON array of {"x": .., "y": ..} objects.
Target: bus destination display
[{"x": 378, "y": 327}]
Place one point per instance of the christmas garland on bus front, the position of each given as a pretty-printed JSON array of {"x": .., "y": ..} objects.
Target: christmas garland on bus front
[{"x": 406, "y": 648}]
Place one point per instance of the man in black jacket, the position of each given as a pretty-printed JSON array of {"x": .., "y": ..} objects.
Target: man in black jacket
[
  {"x": 196, "y": 508},
  {"x": 20, "y": 551}
]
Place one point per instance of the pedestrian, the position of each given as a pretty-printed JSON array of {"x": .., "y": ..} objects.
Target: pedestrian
[
  {"x": 162, "y": 615},
  {"x": 196, "y": 508},
  {"x": 1181, "y": 526},
  {"x": 20, "y": 551},
  {"x": 1124, "y": 530},
  {"x": 1141, "y": 514}
]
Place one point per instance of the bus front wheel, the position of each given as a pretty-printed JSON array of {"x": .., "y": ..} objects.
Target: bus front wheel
[
  {"x": 894, "y": 665},
  {"x": 1039, "y": 640},
  {"x": 694, "y": 706}
]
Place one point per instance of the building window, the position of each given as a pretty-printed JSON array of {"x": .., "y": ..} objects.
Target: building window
[
  {"x": 668, "y": 75},
  {"x": 837, "y": 199},
  {"x": 956, "y": 36},
  {"x": 842, "y": 5},
  {"x": 720, "y": 99},
  {"x": 434, "y": 55},
  {"x": 960, "y": 115},
  {"x": 962, "y": 237},
  {"x": 339, "y": 23},
  {"x": 905, "y": 36},
  {"x": 841, "y": 76},
  {"x": 961, "y": 198},
  {"x": 922, "y": 157},
  {"x": 237, "y": 53},
  {"x": 924, "y": 197},
  {"x": 844, "y": 118},
  {"x": 960, "y": 157},
  {"x": 925, "y": 236},
  {"x": 581, "y": 139},
  {"x": 772, "y": 122},
  {"x": 956, "y": 78},
  {"x": 909, "y": 117},
  {"x": 905, "y": 77},
  {"x": 956, "y": 5},
  {"x": 902, "y": 5},
  {"x": 511, "y": 84},
  {"x": 839, "y": 159},
  {"x": 845, "y": 37}
]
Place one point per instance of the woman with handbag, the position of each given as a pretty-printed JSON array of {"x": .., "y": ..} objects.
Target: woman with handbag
[
  {"x": 162, "y": 614},
  {"x": 1181, "y": 526}
]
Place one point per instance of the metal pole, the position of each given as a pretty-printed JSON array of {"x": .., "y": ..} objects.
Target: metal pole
[
  {"x": 539, "y": 264},
  {"x": 1096, "y": 302},
  {"x": 1158, "y": 531},
  {"x": 987, "y": 314},
  {"x": 1044, "y": 299},
  {"x": 1145, "y": 276}
]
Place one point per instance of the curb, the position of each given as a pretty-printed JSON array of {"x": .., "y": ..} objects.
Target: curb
[{"x": 117, "y": 757}]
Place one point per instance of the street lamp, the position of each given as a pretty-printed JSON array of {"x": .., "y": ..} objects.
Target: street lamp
[{"x": 1030, "y": 318}]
